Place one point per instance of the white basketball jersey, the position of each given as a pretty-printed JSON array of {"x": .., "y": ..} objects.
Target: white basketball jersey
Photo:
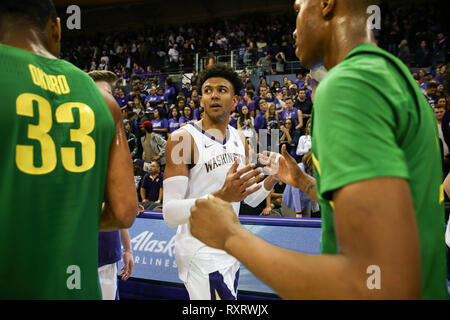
[{"x": 207, "y": 176}]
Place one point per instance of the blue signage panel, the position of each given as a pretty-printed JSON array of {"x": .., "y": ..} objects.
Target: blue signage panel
[{"x": 153, "y": 244}]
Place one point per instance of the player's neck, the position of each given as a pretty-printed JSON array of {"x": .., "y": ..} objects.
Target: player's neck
[
  {"x": 344, "y": 39},
  {"x": 214, "y": 128},
  {"x": 26, "y": 39}
]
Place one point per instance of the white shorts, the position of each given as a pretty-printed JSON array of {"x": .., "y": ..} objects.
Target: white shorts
[
  {"x": 108, "y": 281},
  {"x": 219, "y": 285}
]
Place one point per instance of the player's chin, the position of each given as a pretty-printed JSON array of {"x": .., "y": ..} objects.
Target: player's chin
[{"x": 305, "y": 59}]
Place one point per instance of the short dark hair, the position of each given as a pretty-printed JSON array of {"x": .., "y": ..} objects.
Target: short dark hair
[
  {"x": 221, "y": 71},
  {"x": 249, "y": 93},
  {"x": 37, "y": 13}
]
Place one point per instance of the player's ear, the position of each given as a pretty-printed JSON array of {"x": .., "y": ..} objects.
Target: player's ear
[
  {"x": 53, "y": 32},
  {"x": 235, "y": 100},
  {"x": 327, "y": 7},
  {"x": 56, "y": 30}
]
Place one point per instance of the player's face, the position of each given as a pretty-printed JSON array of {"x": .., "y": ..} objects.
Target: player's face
[
  {"x": 218, "y": 99},
  {"x": 307, "y": 32}
]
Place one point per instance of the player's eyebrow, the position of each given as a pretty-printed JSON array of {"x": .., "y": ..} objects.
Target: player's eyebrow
[{"x": 220, "y": 86}]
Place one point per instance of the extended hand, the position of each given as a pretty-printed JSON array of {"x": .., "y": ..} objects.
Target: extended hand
[
  {"x": 236, "y": 183},
  {"x": 281, "y": 166}
]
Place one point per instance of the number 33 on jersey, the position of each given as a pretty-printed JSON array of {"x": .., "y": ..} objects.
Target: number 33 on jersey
[{"x": 28, "y": 158}]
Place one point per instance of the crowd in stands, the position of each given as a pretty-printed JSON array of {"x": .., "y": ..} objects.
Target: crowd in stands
[
  {"x": 153, "y": 107},
  {"x": 155, "y": 49}
]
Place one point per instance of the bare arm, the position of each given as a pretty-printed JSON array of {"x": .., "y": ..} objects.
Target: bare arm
[
  {"x": 125, "y": 238},
  {"x": 143, "y": 194},
  {"x": 364, "y": 237},
  {"x": 121, "y": 204},
  {"x": 300, "y": 120}
]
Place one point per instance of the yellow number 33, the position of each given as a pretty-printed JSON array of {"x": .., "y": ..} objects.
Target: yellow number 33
[{"x": 25, "y": 153}]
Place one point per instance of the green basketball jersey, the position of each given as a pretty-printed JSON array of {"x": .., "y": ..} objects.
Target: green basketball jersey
[
  {"x": 56, "y": 131},
  {"x": 371, "y": 120}
]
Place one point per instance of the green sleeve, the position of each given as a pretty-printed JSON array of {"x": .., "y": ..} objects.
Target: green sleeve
[{"x": 354, "y": 133}]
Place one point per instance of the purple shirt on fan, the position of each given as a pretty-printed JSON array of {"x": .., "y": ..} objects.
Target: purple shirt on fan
[
  {"x": 122, "y": 101},
  {"x": 183, "y": 119},
  {"x": 169, "y": 95},
  {"x": 260, "y": 122},
  {"x": 290, "y": 114},
  {"x": 160, "y": 124},
  {"x": 251, "y": 106},
  {"x": 173, "y": 125},
  {"x": 153, "y": 99}
]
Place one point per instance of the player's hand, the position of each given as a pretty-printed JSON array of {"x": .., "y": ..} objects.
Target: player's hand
[
  {"x": 128, "y": 265},
  {"x": 281, "y": 166},
  {"x": 238, "y": 183},
  {"x": 213, "y": 221}
]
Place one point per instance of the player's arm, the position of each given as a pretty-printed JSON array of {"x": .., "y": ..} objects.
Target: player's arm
[
  {"x": 375, "y": 227},
  {"x": 121, "y": 203},
  {"x": 179, "y": 154}
]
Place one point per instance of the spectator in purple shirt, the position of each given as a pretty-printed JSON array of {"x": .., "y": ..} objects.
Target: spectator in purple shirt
[
  {"x": 152, "y": 99},
  {"x": 160, "y": 93},
  {"x": 186, "y": 117},
  {"x": 290, "y": 112},
  {"x": 174, "y": 123},
  {"x": 160, "y": 125},
  {"x": 300, "y": 81},
  {"x": 195, "y": 106},
  {"x": 187, "y": 90},
  {"x": 260, "y": 119},
  {"x": 248, "y": 101},
  {"x": 194, "y": 96},
  {"x": 121, "y": 98},
  {"x": 170, "y": 92}
]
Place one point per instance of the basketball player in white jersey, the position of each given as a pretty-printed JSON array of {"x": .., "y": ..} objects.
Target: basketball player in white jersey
[{"x": 209, "y": 157}]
